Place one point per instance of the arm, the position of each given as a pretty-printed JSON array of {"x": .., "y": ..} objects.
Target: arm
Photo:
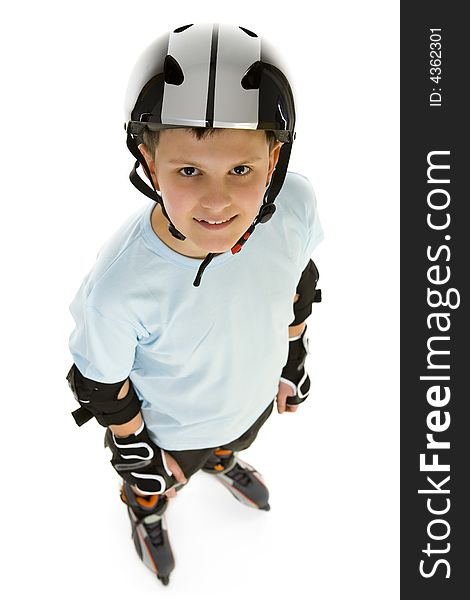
[
  {"x": 136, "y": 457},
  {"x": 295, "y": 330},
  {"x": 122, "y": 431},
  {"x": 294, "y": 382},
  {"x": 131, "y": 426},
  {"x": 286, "y": 387}
]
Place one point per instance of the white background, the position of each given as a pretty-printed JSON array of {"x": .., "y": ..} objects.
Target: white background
[{"x": 332, "y": 468}]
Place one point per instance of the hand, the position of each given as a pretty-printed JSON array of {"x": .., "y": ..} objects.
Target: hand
[
  {"x": 177, "y": 474},
  {"x": 284, "y": 391}
]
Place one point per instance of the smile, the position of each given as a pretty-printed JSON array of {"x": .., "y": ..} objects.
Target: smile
[{"x": 214, "y": 225}]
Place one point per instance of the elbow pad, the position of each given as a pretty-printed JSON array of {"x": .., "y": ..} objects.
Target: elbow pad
[
  {"x": 100, "y": 400},
  {"x": 308, "y": 293}
]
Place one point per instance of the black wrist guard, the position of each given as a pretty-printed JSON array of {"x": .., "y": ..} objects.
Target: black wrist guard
[
  {"x": 99, "y": 400},
  {"x": 140, "y": 461},
  {"x": 294, "y": 373}
]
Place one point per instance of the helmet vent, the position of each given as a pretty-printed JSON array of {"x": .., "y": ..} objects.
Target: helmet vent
[
  {"x": 251, "y": 79},
  {"x": 250, "y": 33},
  {"x": 172, "y": 71},
  {"x": 183, "y": 28}
]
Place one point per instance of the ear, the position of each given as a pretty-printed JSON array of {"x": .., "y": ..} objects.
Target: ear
[
  {"x": 273, "y": 158},
  {"x": 151, "y": 164}
]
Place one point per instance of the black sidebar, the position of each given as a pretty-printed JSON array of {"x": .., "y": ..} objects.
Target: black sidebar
[{"x": 435, "y": 270}]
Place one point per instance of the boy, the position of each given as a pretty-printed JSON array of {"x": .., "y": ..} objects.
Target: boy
[{"x": 184, "y": 373}]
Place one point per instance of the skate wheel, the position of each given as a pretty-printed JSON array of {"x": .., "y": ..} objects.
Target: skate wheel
[
  {"x": 267, "y": 507},
  {"x": 165, "y": 579}
]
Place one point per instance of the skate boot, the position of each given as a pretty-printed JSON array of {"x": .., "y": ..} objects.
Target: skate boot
[
  {"x": 240, "y": 478},
  {"x": 149, "y": 531}
]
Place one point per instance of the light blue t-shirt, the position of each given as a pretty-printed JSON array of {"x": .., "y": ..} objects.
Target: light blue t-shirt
[{"x": 205, "y": 361}]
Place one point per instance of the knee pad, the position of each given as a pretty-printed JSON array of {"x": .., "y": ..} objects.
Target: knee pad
[{"x": 308, "y": 293}]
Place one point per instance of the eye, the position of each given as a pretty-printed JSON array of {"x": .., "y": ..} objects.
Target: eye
[
  {"x": 186, "y": 169},
  {"x": 242, "y": 167}
]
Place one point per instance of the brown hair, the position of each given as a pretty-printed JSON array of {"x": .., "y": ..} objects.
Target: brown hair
[{"x": 151, "y": 137}]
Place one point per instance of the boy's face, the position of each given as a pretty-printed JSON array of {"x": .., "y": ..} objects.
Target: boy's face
[{"x": 219, "y": 177}]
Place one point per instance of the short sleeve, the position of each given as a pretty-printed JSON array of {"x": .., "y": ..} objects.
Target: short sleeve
[
  {"x": 102, "y": 348},
  {"x": 312, "y": 219}
]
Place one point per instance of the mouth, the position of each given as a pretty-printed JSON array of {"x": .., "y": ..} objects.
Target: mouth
[{"x": 215, "y": 226}]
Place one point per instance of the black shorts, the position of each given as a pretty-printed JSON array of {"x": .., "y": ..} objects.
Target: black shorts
[{"x": 192, "y": 460}]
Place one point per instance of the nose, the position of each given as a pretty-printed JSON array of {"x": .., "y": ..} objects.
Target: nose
[{"x": 215, "y": 200}]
